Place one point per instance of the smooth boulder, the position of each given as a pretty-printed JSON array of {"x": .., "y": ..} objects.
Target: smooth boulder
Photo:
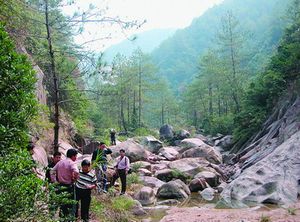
[
  {"x": 170, "y": 153},
  {"x": 175, "y": 189},
  {"x": 205, "y": 151},
  {"x": 166, "y": 132},
  {"x": 133, "y": 150},
  {"x": 145, "y": 196}
]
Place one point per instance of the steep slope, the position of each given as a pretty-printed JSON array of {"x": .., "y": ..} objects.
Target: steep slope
[
  {"x": 147, "y": 41},
  {"x": 178, "y": 56}
]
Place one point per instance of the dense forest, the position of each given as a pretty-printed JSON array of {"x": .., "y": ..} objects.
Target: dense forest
[{"x": 222, "y": 74}]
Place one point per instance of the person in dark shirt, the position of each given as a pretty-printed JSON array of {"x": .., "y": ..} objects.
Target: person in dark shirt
[
  {"x": 99, "y": 161},
  {"x": 113, "y": 136},
  {"x": 56, "y": 158}
]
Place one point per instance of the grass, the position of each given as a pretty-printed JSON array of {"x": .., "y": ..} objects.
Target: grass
[
  {"x": 133, "y": 178},
  {"x": 122, "y": 203},
  {"x": 265, "y": 219},
  {"x": 112, "y": 209},
  {"x": 136, "y": 166},
  {"x": 291, "y": 211}
]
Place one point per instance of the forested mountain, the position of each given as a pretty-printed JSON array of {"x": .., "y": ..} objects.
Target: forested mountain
[
  {"x": 146, "y": 41},
  {"x": 261, "y": 22}
]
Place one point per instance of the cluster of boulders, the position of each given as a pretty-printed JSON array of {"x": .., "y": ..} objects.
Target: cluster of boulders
[{"x": 173, "y": 172}]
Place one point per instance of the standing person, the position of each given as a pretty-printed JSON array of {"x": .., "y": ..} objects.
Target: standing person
[
  {"x": 55, "y": 159},
  {"x": 121, "y": 170},
  {"x": 99, "y": 160},
  {"x": 113, "y": 136},
  {"x": 65, "y": 172},
  {"x": 84, "y": 185}
]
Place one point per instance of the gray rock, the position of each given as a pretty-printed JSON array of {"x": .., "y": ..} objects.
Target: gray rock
[
  {"x": 168, "y": 202},
  {"x": 175, "y": 189},
  {"x": 190, "y": 143},
  {"x": 151, "y": 144},
  {"x": 183, "y": 134},
  {"x": 225, "y": 143},
  {"x": 170, "y": 153},
  {"x": 152, "y": 182},
  {"x": 208, "y": 194},
  {"x": 145, "y": 196},
  {"x": 137, "y": 209},
  {"x": 144, "y": 172},
  {"x": 197, "y": 184},
  {"x": 274, "y": 179},
  {"x": 166, "y": 132},
  {"x": 133, "y": 150},
  {"x": 211, "y": 178},
  {"x": 190, "y": 166},
  {"x": 143, "y": 164},
  {"x": 205, "y": 151},
  {"x": 165, "y": 175}
]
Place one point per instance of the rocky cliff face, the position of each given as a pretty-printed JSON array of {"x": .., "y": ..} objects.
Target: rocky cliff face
[{"x": 268, "y": 167}]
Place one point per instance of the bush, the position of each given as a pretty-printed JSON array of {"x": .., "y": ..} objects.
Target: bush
[{"x": 17, "y": 99}]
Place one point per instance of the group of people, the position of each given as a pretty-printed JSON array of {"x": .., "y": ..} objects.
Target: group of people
[{"x": 78, "y": 184}]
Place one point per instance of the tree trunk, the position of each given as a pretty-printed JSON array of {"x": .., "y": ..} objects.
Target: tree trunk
[
  {"x": 55, "y": 80},
  {"x": 140, "y": 94}
]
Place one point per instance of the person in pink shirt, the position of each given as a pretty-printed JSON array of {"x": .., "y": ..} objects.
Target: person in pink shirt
[{"x": 65, "y": 173}]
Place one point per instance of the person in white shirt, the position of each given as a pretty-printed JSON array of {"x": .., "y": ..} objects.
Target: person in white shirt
[{"x": 121, "y": 170}]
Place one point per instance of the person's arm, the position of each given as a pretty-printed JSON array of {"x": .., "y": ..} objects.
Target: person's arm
[
  {"x": 108, "y": 151},
  {"x": 94, "y": 156},
  {"x": 75, "y": 171},
  {"x": 127, "y": 164},
  {"x": 53, "y": 174}
]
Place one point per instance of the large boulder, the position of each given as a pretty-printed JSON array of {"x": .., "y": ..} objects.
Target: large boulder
[
  {"x": 152, "y": 182},
  {"x": 170, "y": 153},
  {"x": 205, "y": 151},
  {"x": 151, "y": 144},
  {"x": 142, "y": 164},
  {"x": 165, "y": 175},
  {"x": 190, "y": 143},
  {"x": 145, "y": 196},
  {"x": 182, "y": 134},
  {"x": 190, "y": 166},
  {"x": 211, "y": 178},
  {"x": 175, "y": 189},
  {"x": 225, "y": 143},
  {"x": 133, "y": 150},
  {"x": 166, "y": 132},
  {"x": 208, "y": 194},
  {"x": 197, "y": 184},
  {"x": 159, "y": 166},
  {"x": 274, "y": 179}
]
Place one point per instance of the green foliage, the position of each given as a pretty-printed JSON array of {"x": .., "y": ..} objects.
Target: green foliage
[
  {"x": 291, "y": 211},
  {"x": 175, "y": 173},
  {"x": 135, "y": 167},
  {"x": 112, "y": 209},
  {"x": 122, "y": 203},
  {"x": 133, "y": 178},
  {"x": 21, "y": 190},
  {"x": 265, "y": 219},
  {"x": 280, "y": 77},
  {"x": 17, "y": 103}
]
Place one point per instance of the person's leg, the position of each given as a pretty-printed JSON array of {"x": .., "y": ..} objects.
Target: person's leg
[
  {"x": 67, "y": 209},
  {"x": 122, "y": 174},
  {"x": 115, "y": 177},
  {"x": 104, "y": 178},
  {"x": 85, "y": 205},
  {"x": 78, "y": 197}
]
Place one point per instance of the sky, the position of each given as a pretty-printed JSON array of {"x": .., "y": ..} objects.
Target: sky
[{"x": 159, "y": 14}]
